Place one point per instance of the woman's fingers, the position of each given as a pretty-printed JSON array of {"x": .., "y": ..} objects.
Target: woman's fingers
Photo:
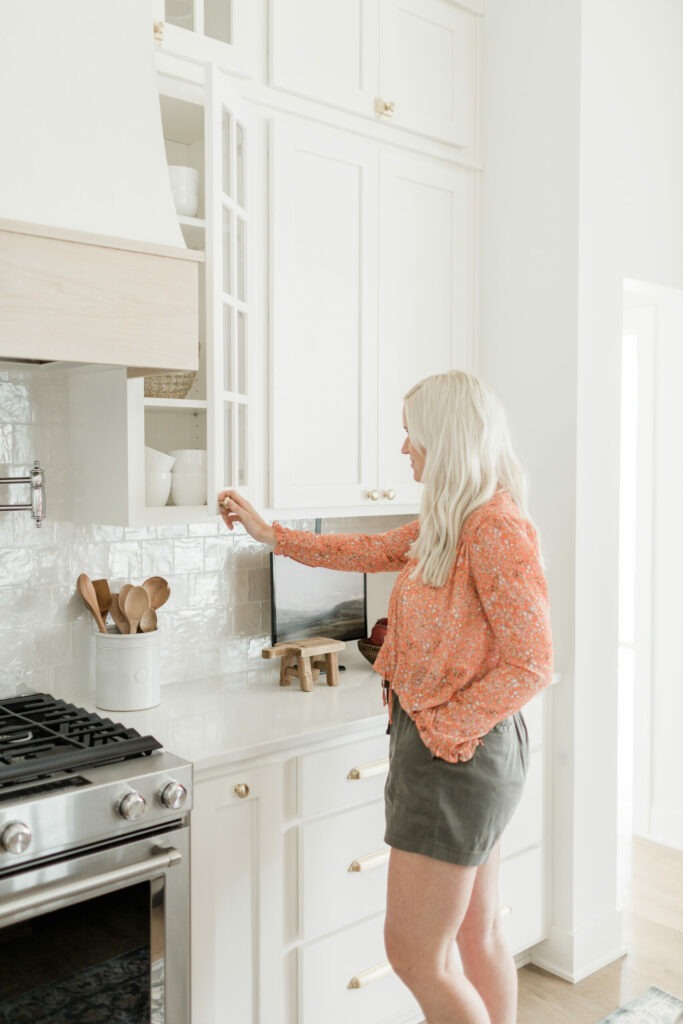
[{"x": 236, "y": 509}]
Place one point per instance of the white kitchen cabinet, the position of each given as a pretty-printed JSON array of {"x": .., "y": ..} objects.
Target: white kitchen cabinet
[
  {"x": 206, "y": 126},
  {"x": 226, "y": 32},
  {"x": 237, "y": 898},
  {"x": 289, "y": 884},
  {"x": 413, "y": 62},
  {"x": 373, "y": 255}
]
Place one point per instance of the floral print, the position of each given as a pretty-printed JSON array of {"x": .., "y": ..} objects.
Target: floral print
[{"x": 466, "y": 655}]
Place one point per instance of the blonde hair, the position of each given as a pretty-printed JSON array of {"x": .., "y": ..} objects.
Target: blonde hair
[{"x": 460, "y": 427}]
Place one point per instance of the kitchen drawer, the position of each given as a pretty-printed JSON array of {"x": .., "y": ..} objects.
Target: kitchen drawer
[
  {"x": 521, "y": 899},
  {"x": 327, "y": 968},
  {"x": 331, "y": 895},
  {"x": 534, "y": 713},
  {"x": 324, "y": 783},
  {"x": 526, "y": 827}
]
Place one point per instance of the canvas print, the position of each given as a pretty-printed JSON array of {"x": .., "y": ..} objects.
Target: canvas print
[{"x": 311, "y": 601}]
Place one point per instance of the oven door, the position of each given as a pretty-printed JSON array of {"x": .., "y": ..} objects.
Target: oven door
[{"x": 99, "y": 937}]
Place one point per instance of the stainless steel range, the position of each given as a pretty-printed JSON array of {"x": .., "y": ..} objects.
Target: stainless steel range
[{"x": 94, "y": 869}]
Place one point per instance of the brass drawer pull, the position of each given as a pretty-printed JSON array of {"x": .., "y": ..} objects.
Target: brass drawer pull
[
  {"x": 241, "y": 790},
  {"x": 370, "y": 860},
  {"x": 366, "y": 977},
  {"x": 384, "y": 108},
  {"x": 365, "y": 771}
]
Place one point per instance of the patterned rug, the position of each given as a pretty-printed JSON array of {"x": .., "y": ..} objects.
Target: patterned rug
[
  {"x": 114, "y": 992},
  {"x": 653, "y": 1007}
]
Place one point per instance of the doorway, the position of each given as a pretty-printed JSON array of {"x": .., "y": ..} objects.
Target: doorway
[{"x": 635, "y": 569}]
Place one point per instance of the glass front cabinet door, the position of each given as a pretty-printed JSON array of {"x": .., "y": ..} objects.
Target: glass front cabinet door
[
  {"x": 206, "y": 129},
  {"x": 228, "y": 261}
]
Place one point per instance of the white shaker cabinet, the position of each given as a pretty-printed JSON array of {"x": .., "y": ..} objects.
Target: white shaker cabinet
[
  {"x": 206, "y": 127},
  {"x": 289, "y": 872},
  {"x": 411, "y": 62},
  {"x": 426, "y": 294},
  {"x": 372, "y": 278},
  {"x": 237, "y": 898}
]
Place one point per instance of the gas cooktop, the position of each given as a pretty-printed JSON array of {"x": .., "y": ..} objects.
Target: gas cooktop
[{"x": 40, "y": 734}]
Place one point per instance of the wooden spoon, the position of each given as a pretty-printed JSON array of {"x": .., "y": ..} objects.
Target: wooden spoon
[
  {"x": 158, "y": 589},
  {"x": 103, "y": 594},
  {"x": 87, "y": 592},
  {"x": 135, "y": 604},
  {"x": 148, "y": 621},
  {"x": 117, "y": 615},
  {"x": 122, "y": 595}
]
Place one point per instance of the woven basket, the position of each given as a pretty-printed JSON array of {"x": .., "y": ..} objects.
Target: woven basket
[
  {"x": 169, "y": 385},
  {"x": 368, "y": 650}
]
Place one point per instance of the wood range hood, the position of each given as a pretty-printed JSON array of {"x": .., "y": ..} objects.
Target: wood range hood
[{"x": 93, "y": 264}]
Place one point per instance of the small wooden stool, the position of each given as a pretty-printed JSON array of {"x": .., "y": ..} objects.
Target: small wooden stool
[{"x": 303, "y": 659}]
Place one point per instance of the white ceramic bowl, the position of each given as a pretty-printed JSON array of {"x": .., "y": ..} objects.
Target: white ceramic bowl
[
  {"x": 184, "y": 177},
  {"x": 158, "y": 462},
  {"x": 185, "y": 202},
  {"x": 188, "y": 488},
  {"x": 157, "y": 488},
  {"x": 189, "y": 460}
]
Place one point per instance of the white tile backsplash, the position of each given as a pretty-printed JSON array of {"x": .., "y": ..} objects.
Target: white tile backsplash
[{"x": 218, "y": 617}]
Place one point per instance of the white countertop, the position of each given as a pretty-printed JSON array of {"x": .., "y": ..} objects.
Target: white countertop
[{"x": 224, "y": 719}]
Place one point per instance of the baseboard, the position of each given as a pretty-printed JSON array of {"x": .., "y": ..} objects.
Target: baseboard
[{"x": 574, "y": 955}]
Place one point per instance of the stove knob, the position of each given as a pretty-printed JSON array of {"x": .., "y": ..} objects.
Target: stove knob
[
  {"x": 133, "y": 806},
  {"x": 173, "y": 795},
  {"x": 16, "y": 837}
]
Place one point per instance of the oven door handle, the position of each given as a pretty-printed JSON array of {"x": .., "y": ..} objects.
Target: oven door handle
[{"x": 163, "y": 858}]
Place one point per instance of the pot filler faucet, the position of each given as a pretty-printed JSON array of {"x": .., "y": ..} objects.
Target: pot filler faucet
[{"x": 36, "y": 479}]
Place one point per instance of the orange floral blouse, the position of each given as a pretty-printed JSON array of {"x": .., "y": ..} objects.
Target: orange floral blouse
[{"x": 463, "y": 656}]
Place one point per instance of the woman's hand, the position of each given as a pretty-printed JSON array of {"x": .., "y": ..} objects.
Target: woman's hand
[{"x": 236, "y": 509}]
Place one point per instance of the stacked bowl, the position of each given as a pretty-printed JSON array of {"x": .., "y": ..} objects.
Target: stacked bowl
[
  {"x": 188, "y": 479},
  {"x": 184, "y": 186},
  {"x": 158, "y": 466}
]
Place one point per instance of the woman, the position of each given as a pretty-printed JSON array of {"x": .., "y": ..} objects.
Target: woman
[{"x": 468, "y": 645}]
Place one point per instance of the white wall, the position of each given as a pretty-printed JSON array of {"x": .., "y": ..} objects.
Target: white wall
[
  {"x": 529, "y": 315},
  {"x": 583, "y": 154}
]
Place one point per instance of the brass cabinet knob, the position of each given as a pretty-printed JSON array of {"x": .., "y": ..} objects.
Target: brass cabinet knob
[
  {"x": 390, "y": 494},
  {"x": 373, "y": 495},
  {"x": 242, "y": 790},
  {"x": 384, "y": 108},
  {"x": 158, "y": 31}
]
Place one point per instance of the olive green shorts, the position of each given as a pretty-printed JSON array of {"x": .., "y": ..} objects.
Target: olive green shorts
[{"x": 453, "y": 812}]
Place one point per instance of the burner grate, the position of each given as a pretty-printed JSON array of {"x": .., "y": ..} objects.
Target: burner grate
[{"x": 40, "y": 734}]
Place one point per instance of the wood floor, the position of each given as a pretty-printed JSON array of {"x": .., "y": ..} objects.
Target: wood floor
[{"x": 651, "y": 880}]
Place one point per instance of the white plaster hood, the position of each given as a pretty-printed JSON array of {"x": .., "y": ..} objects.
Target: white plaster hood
[{"x": 90, "y": 232}]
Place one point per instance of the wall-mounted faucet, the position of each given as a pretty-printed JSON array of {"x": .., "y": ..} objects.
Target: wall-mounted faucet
[{"x": 36, "y": 479}]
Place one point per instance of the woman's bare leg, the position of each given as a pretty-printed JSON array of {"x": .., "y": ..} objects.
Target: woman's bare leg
[
  {"x": 427, "y": 902},
  {"x": 484, "y": 951}
]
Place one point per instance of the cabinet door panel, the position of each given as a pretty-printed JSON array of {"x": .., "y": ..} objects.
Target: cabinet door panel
[
  {"x": 526, "y": 826},
  {"x": 331, "y": 893},
  {"x": 428, "y": 67},
  {"x": 521, "y": 899},
  {"x": 231, "y": 274},
  {"x": 343, "y": 776},
  {"x": 326, "y": 49},
  {"x": 227, "y": 34},
  {"x": 236, "y": 899},
  {"x": 323, "y": 324},
  {"x": 426, "y": 292},
  {"x": 357, "y": 953}
]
